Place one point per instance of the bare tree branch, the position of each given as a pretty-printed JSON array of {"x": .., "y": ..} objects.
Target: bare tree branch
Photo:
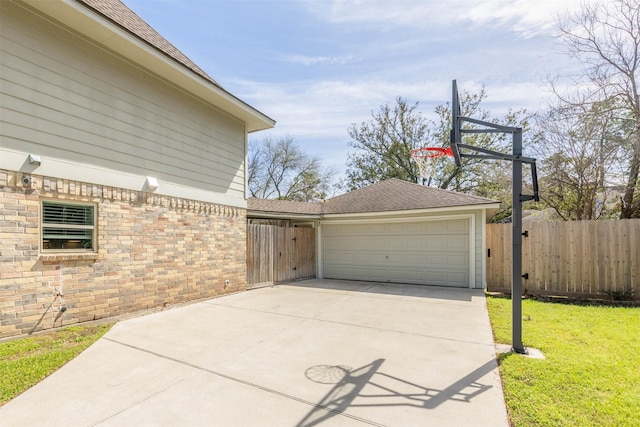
[{"x": 605, "y": 38}]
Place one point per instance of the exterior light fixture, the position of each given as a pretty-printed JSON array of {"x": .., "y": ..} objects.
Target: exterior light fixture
[
  {"x": 150, "y": 184},
  {"x": 34, "y": 160}
]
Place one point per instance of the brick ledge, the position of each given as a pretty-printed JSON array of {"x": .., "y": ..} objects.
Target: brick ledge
[{"x": 68, "y": 257}]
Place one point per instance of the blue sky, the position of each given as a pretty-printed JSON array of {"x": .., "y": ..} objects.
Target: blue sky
[{"x": 317, "y": 66}]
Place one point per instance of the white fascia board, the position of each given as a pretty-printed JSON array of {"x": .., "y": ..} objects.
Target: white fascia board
[
  {"x": 374, "y": 216},
  {"x": 408, "y": 213},
  {"x": 278, "y": 215},
  {"x": 388, "y": 219},
  {"x": 103, "y": 32}
]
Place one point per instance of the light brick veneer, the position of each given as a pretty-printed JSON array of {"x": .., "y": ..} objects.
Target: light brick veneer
[{"x": 152, "y": 251}]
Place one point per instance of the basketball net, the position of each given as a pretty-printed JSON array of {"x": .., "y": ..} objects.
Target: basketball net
[{"x": 427, "y": 159}]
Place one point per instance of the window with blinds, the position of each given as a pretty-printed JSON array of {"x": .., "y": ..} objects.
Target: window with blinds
[{"x": 67, "y": 226}]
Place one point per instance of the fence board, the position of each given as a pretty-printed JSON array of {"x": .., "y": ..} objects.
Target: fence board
[
  {"x": 573, "y": 257},
  {"x": 278, "y": 254}
]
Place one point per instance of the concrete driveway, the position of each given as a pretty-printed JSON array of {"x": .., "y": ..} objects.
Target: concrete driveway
[{"x": 317, "y": 352}]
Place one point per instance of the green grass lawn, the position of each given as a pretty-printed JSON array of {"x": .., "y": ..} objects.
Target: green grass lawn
[
  {"x": 26, "y": 361},
  {"x": 591, "y": 374}
]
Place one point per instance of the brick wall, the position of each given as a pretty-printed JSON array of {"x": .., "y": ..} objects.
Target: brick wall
[{"x": 152, "y": 251}]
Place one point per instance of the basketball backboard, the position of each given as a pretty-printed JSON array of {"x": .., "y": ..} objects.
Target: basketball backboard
[{"x": 455, "y": 124}]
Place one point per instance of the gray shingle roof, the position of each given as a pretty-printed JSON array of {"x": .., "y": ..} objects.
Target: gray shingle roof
[
  {"x": 385, "y": 196},
  {"x": 398, "y": 195},
  {"x": 283, "y": 206},
  {"x": 118, "y": 13}
]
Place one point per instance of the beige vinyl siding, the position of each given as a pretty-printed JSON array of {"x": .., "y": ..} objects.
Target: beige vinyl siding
[{"x": 67, "y": 99}]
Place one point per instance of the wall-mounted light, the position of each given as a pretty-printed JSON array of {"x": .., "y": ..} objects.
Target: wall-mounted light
[
  {"x": 150, "y": 184},
  {"x": 34, "y": 160}
]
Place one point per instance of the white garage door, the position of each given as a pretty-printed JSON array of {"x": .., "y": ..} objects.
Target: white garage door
[{"x": 420, "y": 252}]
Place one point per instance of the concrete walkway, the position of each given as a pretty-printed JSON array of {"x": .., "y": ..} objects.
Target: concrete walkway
[{"x": 318, "y": 352}]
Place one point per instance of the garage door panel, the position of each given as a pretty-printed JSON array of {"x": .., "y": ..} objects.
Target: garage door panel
[
  {"x": 371, "y": 228},
  {"x": 414, "y": 227},
  {"x": 457, "y": 226},
  {"x": 341, "y": 258},
  {"x": 369, "y": 258},
  {"x": 435, "y": 227},
  {"x": 331, "y": 257},
  {"x": 456, "y": 260},
  {"x": 408, "y": 259},
  {"x": 412, "y": 275},
  {"x": 435, "y": 260},
  {"x": 334, "y": 230},
  {"x": 396, "y": 228},
  {"x": 421, "y": 252},
  {"x": 368, "y": 242},
  {"x": 376, "y": 274},
  {"x": 434, "y": 243},
  {"x": 457, "y": 279},
  {"x": 435, "y": 276},
  {"x": 454, "y": 243},
  {"x": 414, "y": 243},
  {"x": 334, "y": 243}
]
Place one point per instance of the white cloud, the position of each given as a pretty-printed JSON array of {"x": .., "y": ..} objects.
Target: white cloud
[
  {"x": 317, "y": 114},
  {"x": 326, "y": 108},
  {"x": 410, "y": 49},
  {"x": 344, "y": 58},
  {"x": 317, "y": 60},
  {"x": 524, "y": 17}
]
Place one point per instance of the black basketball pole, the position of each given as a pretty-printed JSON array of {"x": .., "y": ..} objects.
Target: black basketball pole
[
  {"x": 518, "y": 198},
  {"x": 516, "y": 253}
]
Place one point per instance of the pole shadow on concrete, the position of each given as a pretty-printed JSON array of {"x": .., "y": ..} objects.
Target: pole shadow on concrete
[{"x": 388, "y": 390}]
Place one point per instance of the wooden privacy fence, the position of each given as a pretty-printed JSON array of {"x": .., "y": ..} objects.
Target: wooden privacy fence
[
  {"x": 276, "y": 254},
  {"x": 565, "y": 258}
]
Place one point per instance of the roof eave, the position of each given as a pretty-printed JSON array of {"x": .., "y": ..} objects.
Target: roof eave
[
  {"x": 253, "y": 213},
  {"x": 280, "y": 215},
  {"x": 411, "y": 212},
  {"x": 105, "y": 33}
]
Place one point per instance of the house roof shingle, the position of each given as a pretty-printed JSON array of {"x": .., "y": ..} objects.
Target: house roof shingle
[
  {"x": 283, "y": 206},
  {"x": 118, "y": 13},
  {"x": 385, "y": 196}
]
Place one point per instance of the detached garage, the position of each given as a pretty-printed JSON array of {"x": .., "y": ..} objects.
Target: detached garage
[
  {"x": 394, "y": 231},
  {"x": 436, "y": 252}
]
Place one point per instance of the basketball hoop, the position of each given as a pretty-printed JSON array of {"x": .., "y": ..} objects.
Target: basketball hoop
[{"x": 426, "y": 158}]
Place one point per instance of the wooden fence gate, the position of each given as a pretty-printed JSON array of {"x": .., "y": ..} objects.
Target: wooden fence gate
[
  {"x": 277, "y": 254},
  {"x": 569, "y": 258}
]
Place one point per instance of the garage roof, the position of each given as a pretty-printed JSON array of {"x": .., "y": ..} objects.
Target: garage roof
[
  {"x": 398, "y": 195},
  {"x": 385, "y": 196}
]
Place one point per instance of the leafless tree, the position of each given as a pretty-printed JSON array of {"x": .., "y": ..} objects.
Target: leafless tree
[
  {"x": 605, "y": 38},
  {"x": 279, "y": 169},
  {"x": 580, "y": 151}
]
